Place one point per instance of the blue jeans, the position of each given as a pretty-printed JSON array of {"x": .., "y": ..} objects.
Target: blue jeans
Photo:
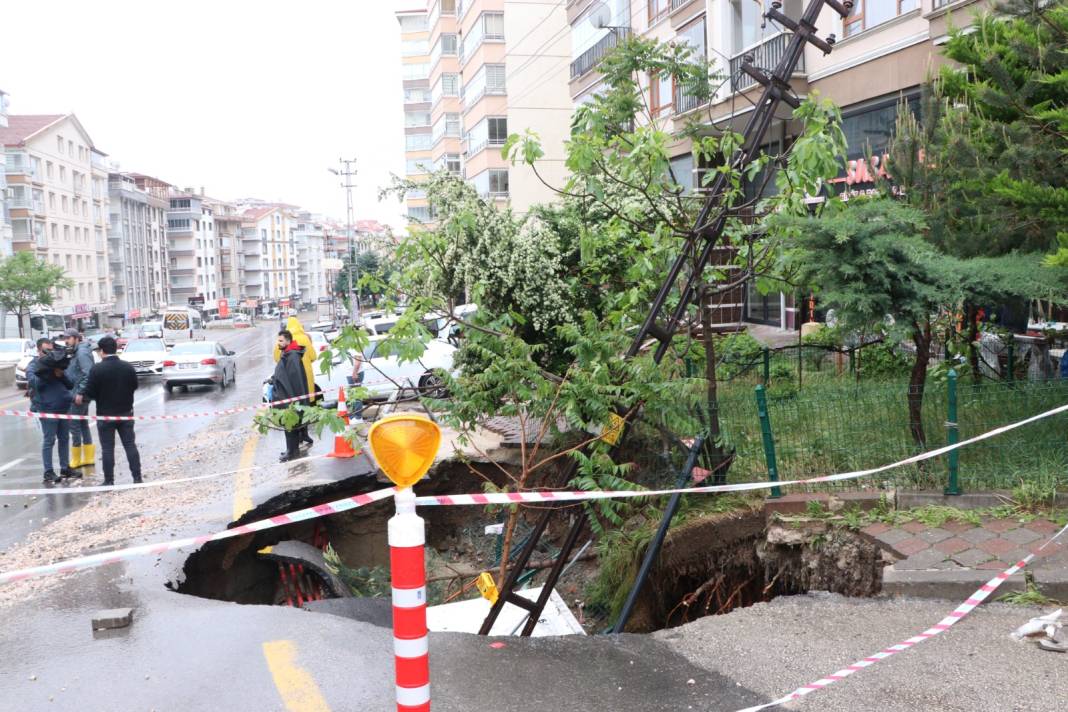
[
  {"x": 52, "y": 430},
  {"x": 79, "y": 429}
]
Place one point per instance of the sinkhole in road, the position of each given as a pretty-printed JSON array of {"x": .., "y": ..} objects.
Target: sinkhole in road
[
  {"x": 713, "y": 565},
  {"x": 242, "y": 570}
]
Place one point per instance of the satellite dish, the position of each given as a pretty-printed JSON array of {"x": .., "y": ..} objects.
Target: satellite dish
[{"x": 599, "y": 15}]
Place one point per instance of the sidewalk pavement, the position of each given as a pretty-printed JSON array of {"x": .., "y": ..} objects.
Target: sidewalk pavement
[{"x": 952, "y": 560}]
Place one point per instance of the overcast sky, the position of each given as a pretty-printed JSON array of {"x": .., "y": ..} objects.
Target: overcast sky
[{"x": 248, "y": 99}]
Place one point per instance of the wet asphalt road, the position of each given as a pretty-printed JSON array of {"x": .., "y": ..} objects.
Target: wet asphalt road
[{"x": 20, "y": 440}]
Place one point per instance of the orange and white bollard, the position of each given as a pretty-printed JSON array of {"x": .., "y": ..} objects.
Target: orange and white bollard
[
  {"x": 342, "y": 447},
  {"x": 405, "y": 446},
  {"x": 408, "y": 574}
]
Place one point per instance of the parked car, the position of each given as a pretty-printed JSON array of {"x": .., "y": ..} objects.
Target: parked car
[
  {"x": 205, "y": 363},
  {"x": 319, "y": 340},
  {"x": 20, "y": 370},
  {"x": 146, "y": 356},
  {"x": 14, "y": 350},
  {"x": 382, "y": 375}
]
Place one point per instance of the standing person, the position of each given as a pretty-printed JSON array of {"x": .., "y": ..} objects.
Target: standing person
[
  {"x": 82, "y": 450},
  {"x": 290, "y": 381},
  {"x": 51, "y": 393},
  {"x": 111, "y": 384},
  {"x": 296, "y": 330}
]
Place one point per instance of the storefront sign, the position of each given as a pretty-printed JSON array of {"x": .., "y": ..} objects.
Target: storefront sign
[
  {"x": 251, "y": 303},
  {"x": 860, "y": 178},
  {"x": 133, "y": 314},
  {"x": 283, "y": 302},
  {"x": 197, "y": 300},
  {"x": 224, "y": 308}
]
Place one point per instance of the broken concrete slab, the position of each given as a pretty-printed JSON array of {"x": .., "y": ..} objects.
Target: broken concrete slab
[{"x": 112, "y": 618}]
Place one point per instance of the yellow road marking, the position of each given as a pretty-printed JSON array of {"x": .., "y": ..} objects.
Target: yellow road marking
[
  {"x": 295, "y": 685},
  {"x": 243, "y": 480}
]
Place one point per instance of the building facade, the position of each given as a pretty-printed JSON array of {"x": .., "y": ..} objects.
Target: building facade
[
  {"x": 268, "y": 240},
  {"x": 415, "y": 66},
  {"x": 5, "y": 217},
  {"x": 311, "y": 251},
  {"x": 228, "y": 219},
  {"x": 57, "y": 187},
  {"x": 193, "y": 252},
  {"x": 885, "y": 51},
  {"x": 137, "y": 246}
]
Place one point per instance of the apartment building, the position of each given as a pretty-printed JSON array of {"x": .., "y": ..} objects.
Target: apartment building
[
  {"x": 884, "y": 52},
  {"x": 268, "y": 241},
  {"x": 5, "y": 218},
  {"x": 311, "y": 251},
  {"x": 137, "y": 246},
  {"x": 495, "y": 67},
  {"x": 193, "y": 251},
  {"x": 415, "y": 65},
  {"x": 58, "y": 207},
  {"x": 228, "y": 219}
]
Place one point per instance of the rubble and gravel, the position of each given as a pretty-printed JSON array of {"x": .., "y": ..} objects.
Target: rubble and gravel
[{"x": 773, "y": 648}]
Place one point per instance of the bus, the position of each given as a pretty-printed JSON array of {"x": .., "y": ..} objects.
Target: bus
[{"x": 181, "y": 324}]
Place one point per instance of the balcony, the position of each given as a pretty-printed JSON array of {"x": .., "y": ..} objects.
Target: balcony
[
  {"x": 19, "y": 164},
  {"x": 593, "y": 56},
  {"x": 766, "y": 56}
]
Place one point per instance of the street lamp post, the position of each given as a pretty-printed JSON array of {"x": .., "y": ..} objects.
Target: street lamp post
[{"x": 347, "y": 175}]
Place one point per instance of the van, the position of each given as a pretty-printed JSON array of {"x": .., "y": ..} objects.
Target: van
[
  {"x": 181, "y": 324},
  {"x": 42, "y": 322}
]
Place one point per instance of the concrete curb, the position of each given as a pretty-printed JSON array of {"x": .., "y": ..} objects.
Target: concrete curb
[
  {"x": 972, "y": 500},
  {"x": 959, "y": 584}
]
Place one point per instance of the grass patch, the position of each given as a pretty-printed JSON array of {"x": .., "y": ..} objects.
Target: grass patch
[{"x": 1030, "y": 596}]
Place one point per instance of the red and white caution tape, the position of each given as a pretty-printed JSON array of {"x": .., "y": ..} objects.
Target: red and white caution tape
[
  {"x": 578, "y": 496},
  {"x": 177, "y": 416},
  {"x": 942, "y": 626},
  {"x": 114, "y": 557},
  {"x": 76, "y": 489}
]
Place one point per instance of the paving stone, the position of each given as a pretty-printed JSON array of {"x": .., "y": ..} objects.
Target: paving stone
[
  {"x": 893, "y": 536},
  {"x": 1053, "y": 550},
  {"x": 933, "y": 536},
  {"x": 1021, "y": 536},
  {"x": 1000, "y": 525},
  {"x": 1014, "y": 555},
  {"x": 993, "y": 565},
  {"x": 997, "y": 547},
  {"x": 952, "y": 546},
  {"x": 876, "y": 529},
  {"x": 911, "y": 546},
  {"x": 1042, "y": 526},
  {"x": 972, "y": 557},
  {"x": 976, "y": 535},
  {"x": 926, "y": 559},
  {"x": 957, "y": 527},
  {"x": 914, "y": 527}
]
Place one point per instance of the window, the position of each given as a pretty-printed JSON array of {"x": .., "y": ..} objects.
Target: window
[
  {"x": 48, "y": 168},
  {"x": 446, "y": 45},
  {"x": 59, "y": 144},
  {"x": 446, "y": 125},
  {"x": 489, "y": 26},
  {"x": 448, "y": 7},
  {"x": 450, "y": 162},
  {"x": 55, "y": 232},
  {"x": 416, "y": 96},
  {"x": 448, "y": 84},
  {"x": 62, "y": 174},
  {"x": 746, "y": 21},
  {"x": 66, "y": 233},
  {"x": 70, "y": 148},
  {"x": 419, "y": 213},
  {"x": 413, "y": 48},
  {"x": 660, "y": 86},
  {"x": 488, "y": 80},
  {"x": 416, "y": 71},
  {"x": 65, "y": 204},
  {"x": 417, "y": 142},
  {"x": 498, "y": 181},
  {"x": 413, "y": 23},
  {"x": 413, "y": 119},
  {"x": 693, "y": 35},
  {"x": 658, "y": 9},
  {"x": 869, "y": 13},
  {"x": 183, "y": 224},
  {"x": 416, "y": 166}
]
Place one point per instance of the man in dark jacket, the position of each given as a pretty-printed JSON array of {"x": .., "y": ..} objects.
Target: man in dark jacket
[
  {"x": 51, "y": 390},
  {"x": 290, "y": 381},
  {"x": 82, "y": 450},
  {"x": 111, "y": 384}
]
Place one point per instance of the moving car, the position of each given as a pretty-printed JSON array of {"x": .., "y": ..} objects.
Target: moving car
[
  {"x": 150, "y": 330},
  {"x": 383, "y": 375},
  {"x": 14, "y": 350},
  {"x": 205, "y": 363},
  {"x": 146, "y": 356}
]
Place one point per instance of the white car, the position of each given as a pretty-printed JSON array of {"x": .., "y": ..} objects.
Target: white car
[
  {"x": 319, "y": 341},
  {"x": 12, "y": 351},
  {"x": 383, "y": 375},
  {"x": 20, "y": 371},
  {"x": 145, "y": 355}
]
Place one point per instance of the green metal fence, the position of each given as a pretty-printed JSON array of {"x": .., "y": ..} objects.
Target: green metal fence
[{"x": 843, "y": 425}]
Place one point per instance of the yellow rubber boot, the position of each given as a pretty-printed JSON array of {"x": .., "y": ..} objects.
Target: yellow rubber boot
[
  {"x": 88, "y": 456},
  {"x": 75, "y": 456}
]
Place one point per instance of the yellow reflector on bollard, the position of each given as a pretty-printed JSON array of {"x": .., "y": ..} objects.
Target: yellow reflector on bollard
[
  {"x": 487, "y": 587},
  {"x": 404, "y": 446}
]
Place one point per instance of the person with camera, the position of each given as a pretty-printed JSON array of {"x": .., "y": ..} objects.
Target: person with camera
[
  {"x": 82, "y": 451},
  {"x": 51, "y": 393},
  {"x": 111, "y": 383}
]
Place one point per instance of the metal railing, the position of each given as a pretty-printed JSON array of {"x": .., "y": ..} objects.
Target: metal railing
[
  {"x": 676, "y": 4},
  {"x": 689, "y": 100},
  {"x": 765, "y": 55},
  {"x": 593, "y": 56}
]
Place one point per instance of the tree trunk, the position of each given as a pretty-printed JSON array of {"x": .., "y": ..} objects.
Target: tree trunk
[
  {"x": 714, "y": 443},
  {"x": 921, "y": 336}
]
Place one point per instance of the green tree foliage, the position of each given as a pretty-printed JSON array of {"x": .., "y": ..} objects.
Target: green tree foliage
[{"x": 26, "y": 282}]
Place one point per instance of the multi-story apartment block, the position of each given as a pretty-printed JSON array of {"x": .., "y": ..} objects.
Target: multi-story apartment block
[
  {"x": 137, "y": 246},
  {"x": 228, "y": 219},
  {"x": 193, "y": 251},
  {"x": 415, "y": 65},
  {"x": 311, "y": 251},
  {"x": 885, "y": 51},
  {"x": 268, "y": 239},
  {"x": 5, "y": 218},
  {"x": 482, "y": 88},
  {"x": 58, "y": 206}
]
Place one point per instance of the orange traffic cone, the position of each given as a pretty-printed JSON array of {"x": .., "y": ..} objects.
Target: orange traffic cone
[{"x": 342, "y": 448}]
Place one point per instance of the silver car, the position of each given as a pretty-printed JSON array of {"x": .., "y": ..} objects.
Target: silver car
[{"x": 206, "y": 363}]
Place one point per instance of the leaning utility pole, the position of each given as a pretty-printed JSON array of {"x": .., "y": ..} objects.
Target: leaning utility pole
[
  {"x": 347, "y": 175},
  {"x": 681, "y": 280}
]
